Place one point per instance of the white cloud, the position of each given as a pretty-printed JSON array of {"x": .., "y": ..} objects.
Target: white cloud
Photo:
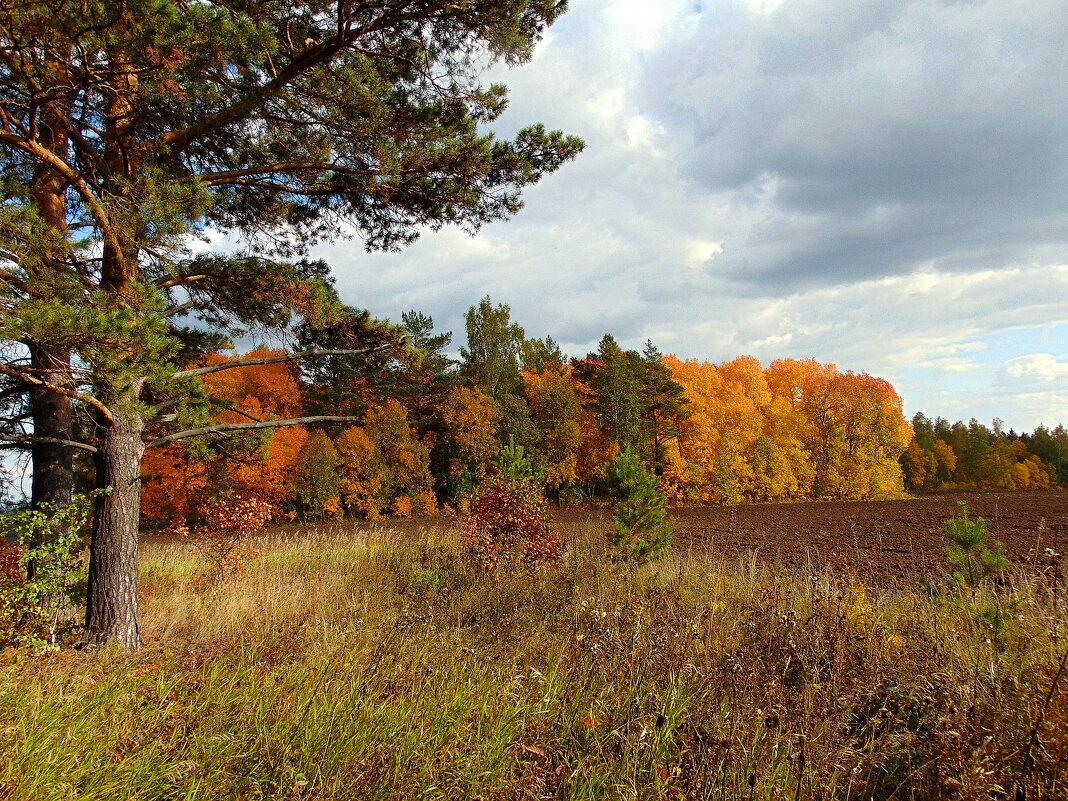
[
  {"x": 1042, "y": 366},
  {"x": 952, "y": 365}
]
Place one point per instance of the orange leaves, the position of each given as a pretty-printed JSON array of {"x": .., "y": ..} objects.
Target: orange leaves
[
  {"x": 725, "y": 422},
  {"x": 175, "y": 485},
  {"x": 362, "y": 477},
  {"x": 240, "y": 515},
  {"x": 171, "y": 484},
  {"x": 427, "y": 503},
  {"x": 403, "y": 506},
  {"x": 262, "y": 390},
  {"x": 469, "y": 417},
  {"x": 795, "y": 429},
  {"x": 271, "y": 474}
]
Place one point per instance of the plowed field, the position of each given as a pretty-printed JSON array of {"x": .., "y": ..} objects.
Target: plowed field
[{"x": 881, "y": 541}]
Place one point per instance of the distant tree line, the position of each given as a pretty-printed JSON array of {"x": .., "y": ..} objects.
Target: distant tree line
[
  {"x": 429, "y": 427},
  {"x": 944, "y": 455}
]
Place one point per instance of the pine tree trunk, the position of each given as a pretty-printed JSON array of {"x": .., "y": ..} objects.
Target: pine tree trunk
[
  {"x": 52, "y": 463},
  {"x": 112, "y": 606},
  {"x": 111, "y": 614}
]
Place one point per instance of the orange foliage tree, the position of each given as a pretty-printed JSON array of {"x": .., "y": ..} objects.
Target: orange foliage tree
[
  {"x": 718, "y": 438},
  {"x": 362, "y": 476},
  {"x": 174, "y": 483},
  {"x": 555, "y": 411},
  {"x": 403, "y": 458},
  {"x": 796, "y": 429},
  {"x": 468, "y": 440}
]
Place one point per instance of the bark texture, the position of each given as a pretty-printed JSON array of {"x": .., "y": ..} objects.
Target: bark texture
[
  {"x": 53, "y": 416},
  {"x": 52, "y": 463},
  {"x": 112, "y": 604}
]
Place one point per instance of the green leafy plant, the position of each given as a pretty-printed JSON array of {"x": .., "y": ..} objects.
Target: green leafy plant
[
  {"x": 641, "y": 527},
  {"x": 36, "y": 609}
]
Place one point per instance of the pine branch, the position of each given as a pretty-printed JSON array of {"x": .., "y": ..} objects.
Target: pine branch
[
  {"x": 43, "y": 155},
  {"x": 221, "y": 402},
  {"x": 175, "y": 142},
  {"x": 238, "y": 176},
  {"x": 288, "y": 357},
  {"x": 181, "y": 307},
  {"x": 29, "y": 440},
  {"x": 230, "y": 428},
  {"x": 182, "y": 280},
  {"x": 25, "y": 378}
]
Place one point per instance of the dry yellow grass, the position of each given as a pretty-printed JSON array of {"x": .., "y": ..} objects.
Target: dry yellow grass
[{"x": 375, "y": 663}]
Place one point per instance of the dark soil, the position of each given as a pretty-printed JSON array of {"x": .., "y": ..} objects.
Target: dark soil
[{"x": 886, "y": 542}]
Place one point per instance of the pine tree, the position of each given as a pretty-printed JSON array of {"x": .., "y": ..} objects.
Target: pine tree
[
  {"x": 635, "y": 397},
  {"x": 664, "y": 404},
  {"x": 640, "y": 519},
  {"x": 513, "y": 463},
  {"x": 967, "y": 553},
  {"x": 137, "y": 124}
]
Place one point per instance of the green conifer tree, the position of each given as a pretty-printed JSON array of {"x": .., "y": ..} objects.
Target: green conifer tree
[
  {"x": 143, "y": 122},
  {"x": 967, "y": 553},
  {"x": 641, "y": 527}
]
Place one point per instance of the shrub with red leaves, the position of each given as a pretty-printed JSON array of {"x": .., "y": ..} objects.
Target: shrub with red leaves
[
  {"x": 225, "y": 525},
  {"x": 507, "y": 527},
  {"x": 12, "y": 572}
]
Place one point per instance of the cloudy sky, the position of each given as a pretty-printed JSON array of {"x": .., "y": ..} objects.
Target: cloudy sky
[{"x": 882, "y": 184}]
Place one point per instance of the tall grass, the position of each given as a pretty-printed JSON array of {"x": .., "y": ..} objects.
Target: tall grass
[{"x": 380, "y": 665}]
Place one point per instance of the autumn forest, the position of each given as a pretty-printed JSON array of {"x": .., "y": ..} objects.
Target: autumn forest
[{"x": 429, "y": 428}]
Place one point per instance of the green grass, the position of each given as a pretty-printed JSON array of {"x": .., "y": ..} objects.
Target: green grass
[{"x": 381, "y": 666}]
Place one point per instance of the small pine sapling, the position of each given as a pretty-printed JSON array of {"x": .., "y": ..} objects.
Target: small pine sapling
[
  {"x": 973, "y": 565},
  {"x": 967, "y": 553},
  {"x": 513, "y": 463},
  {"x": 641, "y": 527}
]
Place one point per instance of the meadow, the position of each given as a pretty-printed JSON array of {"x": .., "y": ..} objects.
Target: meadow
[{"x": 377, "y": 662}]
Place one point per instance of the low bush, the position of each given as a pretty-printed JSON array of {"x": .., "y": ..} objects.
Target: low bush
[
  {"x": 507, "y": 526},
  {"x": 39, "y": 607},
  {"x": 221, "y": 536}
]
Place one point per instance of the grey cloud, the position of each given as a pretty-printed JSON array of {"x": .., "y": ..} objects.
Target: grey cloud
[{"x": 894, "y": 133}]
